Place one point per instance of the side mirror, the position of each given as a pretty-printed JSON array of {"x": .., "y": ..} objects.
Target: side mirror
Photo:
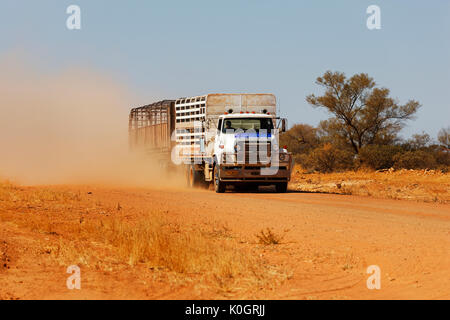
[{"x": 283, "y": 125}]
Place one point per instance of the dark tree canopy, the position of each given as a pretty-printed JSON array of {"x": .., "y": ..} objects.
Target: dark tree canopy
[{"x": 362, "y": 113}]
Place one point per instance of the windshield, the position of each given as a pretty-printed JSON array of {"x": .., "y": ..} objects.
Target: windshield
[{"x": 244, "y": 124}]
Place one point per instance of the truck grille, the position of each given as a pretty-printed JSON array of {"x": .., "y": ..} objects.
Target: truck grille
[{"x": 254, "y": 153}]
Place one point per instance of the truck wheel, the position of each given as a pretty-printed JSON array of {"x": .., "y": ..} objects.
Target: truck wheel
[
  {"x": 193, "y": 177},
  {"x": 281, "y": 187},
  {"x": 219, "y": 186}
]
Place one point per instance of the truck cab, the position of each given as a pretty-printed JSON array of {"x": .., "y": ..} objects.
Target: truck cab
[{"x": 246, "y": 152}]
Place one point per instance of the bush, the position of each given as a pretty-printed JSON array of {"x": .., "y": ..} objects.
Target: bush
[
  {"x": 328, "y": 158},
  {"x": 415, "y": 160},
  {"x": 442, "y": 157},
  {"x": 300, "y": 139},
  {"x": 269, "y": 237},
  {"x": 379, "y": 156},
  {"x": 303, "y": 160}
]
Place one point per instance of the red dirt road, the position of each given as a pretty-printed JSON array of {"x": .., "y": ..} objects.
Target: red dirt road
[{"x": 329, "y": 241}]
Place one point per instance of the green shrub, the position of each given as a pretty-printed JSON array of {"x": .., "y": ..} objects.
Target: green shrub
[
  {"x": 418, "y": 159},
  {"x": 442, "y": 157},
  {"x": 328, "y": 158},
  {"x": 379, "y": 156}
]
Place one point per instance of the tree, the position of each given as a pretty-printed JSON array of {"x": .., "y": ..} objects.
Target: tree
[
  {"x": 301, "y": 138},
  {"x": 419, "y": 141},
  {"x": 362, "y": 113},
  {"x": 444, "y": 137}
]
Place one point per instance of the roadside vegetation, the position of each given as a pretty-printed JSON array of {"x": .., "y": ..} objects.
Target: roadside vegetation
[
  {"x": 363, "y": 131},
  {"x": 403, "y": 184},
  {"x": 359, "y": 150}
]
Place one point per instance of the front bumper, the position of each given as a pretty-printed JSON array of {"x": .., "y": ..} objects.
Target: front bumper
[{"x": 256, "y": 173}]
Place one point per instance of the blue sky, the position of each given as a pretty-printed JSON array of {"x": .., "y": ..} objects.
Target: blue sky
[{"x": 169, "y": 49}]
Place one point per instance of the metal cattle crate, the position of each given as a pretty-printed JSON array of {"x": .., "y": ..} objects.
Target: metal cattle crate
[{"x": 150, "y": 127}]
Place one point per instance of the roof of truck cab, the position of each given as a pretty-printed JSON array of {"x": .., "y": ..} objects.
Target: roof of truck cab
[{"x": 247, "y": 115}]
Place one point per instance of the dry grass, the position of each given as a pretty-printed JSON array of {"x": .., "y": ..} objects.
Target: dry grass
[
  {"x": 419, "y": 185},
  {"x": 269, "y": 237},
  {"x": 12, "y": 193},
  {"x": 157, "y": 243},
  {"x": 83, "y": 231}
]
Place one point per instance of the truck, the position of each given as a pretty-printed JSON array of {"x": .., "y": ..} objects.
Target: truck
[{"x": 219, "y": 139}]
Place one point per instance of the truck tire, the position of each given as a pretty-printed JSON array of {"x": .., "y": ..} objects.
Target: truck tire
[
  {"x": 281, "y": 187},
  {"x": 219, "y": 186},
  {"x": 193, "y": 177}
]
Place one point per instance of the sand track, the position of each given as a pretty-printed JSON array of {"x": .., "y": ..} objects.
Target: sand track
[{"x": 329, "y": 240}]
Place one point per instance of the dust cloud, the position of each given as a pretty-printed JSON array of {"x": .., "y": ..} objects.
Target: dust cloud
[{"x": 66, "y": 127}]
